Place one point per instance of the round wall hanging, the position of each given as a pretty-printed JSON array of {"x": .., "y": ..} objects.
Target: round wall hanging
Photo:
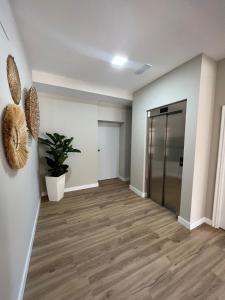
[
  {"x": 32, "y": 112},
  {"x": 15, "y": 136},
  {"x": 13, "y": 79}
]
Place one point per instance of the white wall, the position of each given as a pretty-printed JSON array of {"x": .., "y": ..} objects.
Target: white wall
[
  {"x": 219, "y": 101},
  {"x": 113, "y": 113},
  {"x": 203, "y": 139},
  {"x": 125, "y": 147},
  {"x": 19, "y": 190},
  {"x": 76, "y": 118},
  {"x": 182, "y": 83}
]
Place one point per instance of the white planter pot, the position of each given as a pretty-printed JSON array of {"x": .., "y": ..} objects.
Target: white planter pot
[{"x": 55, "y": 187}]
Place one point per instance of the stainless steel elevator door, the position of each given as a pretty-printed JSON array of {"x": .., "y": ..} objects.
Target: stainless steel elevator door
[
  {"x": 166, "y": 130},
  {"x": 174, "y": 160},
  {"x": 157, "y": 154}
]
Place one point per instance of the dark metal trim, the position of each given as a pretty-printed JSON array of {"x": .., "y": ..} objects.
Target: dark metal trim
[
  {"x": 170, "y": 113},
  {"x": 149, "y": 144},
  {"x": 150, "y": 158},
  {"x": 164, "y": 164},
  {"x": 167, "y": 104}
]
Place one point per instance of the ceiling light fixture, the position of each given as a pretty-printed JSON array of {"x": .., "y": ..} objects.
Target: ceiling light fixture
[{"x": 119, "y": 61}]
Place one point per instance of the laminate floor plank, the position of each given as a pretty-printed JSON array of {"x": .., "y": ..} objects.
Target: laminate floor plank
[{"x": 108, "y": 243}]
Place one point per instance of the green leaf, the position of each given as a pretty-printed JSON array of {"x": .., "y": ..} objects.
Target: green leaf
[
  {"x": 45, "y": 142},
  {"x": 52, "y": 137},
  {"x": 58, "y": 147},
  {"x": 75, "y": 150},
  {"x": 51, "y": 163}
]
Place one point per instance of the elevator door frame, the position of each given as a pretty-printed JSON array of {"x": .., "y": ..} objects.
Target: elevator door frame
[{"x": 154, "y": 113}]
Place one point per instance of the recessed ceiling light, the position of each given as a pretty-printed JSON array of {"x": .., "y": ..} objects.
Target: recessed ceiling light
[{"x": 119, "y": 61}]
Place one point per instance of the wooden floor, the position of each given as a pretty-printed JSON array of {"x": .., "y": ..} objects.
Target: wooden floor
[{"x": 107, "y": 243}]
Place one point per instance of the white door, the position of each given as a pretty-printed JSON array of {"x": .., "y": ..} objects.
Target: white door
[{"x": 108, "y": 150}]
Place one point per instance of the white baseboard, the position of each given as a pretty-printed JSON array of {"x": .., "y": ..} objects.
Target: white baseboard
[
  {"x": 200, "y": 222},
  {"x": 29, "y": 251},
  {"x": 138, "y": 192},
  {"x": 195, "y": 224},
  {"x": 184, "y": 222},
  {"x": 81, "y": 187},
  {"x": 76, "y": 188},
  {"x": 208, "y": 221},
  {"x": 124, "y": 179}
]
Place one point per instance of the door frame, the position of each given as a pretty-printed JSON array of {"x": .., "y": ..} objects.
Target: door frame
[
  {"x": 155, "y": 112},
  {"x": 220, "y": 174},
  {"x": 117, "y": 125},
  {"x": 146, "y": 168}
]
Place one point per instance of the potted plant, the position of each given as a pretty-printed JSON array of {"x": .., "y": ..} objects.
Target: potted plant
[{"x": 58, "y": 147}]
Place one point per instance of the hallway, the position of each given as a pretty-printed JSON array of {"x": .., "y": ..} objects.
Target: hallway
[{"x": 107, "y": 243}]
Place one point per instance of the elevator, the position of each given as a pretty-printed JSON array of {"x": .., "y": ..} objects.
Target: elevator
[{"x": 165, "y": 136}]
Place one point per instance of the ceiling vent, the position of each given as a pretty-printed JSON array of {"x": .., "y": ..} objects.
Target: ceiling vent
[{"x": 143, "y": 69}]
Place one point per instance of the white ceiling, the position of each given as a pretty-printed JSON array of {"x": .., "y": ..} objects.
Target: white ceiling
[{"x": 78, "y": 38}]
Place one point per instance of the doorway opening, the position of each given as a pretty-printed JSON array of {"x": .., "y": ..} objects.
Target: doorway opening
[
  {"x": 108, "y": 150},
  {"x": 165, "y": 148}
]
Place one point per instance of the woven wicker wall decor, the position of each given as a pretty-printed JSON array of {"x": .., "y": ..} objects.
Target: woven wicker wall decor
[
  {"x": 13, "y": 79},
  {"x": 15, "y": 136},
  {"x": 32, "y": 112}
]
